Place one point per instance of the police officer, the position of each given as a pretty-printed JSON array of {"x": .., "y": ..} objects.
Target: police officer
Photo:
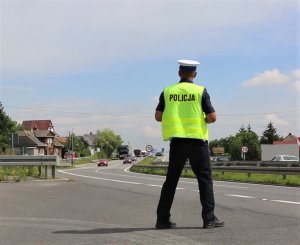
[{"x": 184, "y": 110}]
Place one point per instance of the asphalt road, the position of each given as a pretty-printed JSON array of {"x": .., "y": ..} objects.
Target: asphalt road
[{"x": 109, "y": 205}]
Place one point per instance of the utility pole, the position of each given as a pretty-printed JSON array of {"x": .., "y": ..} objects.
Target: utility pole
[
  {"x": 72, "y": 145},
  {"x": 12, "y": 143}
]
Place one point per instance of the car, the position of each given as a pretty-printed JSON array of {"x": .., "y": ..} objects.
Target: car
[
  {"x": 285, "y": 158},
  {"x": 133, "y": 157},
  {"x": 127, "y": 160},
  {"x": 102, "y": 162}
]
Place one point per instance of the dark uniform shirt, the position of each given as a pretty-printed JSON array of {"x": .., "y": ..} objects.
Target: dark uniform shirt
[{"x": 205, "y": 103}]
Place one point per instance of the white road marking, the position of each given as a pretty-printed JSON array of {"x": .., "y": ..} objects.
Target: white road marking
[
  {"x": 137, "y": 183},
  {"x": 123, "y": 175},
  {"x": 231, "y": 195},
  {"x": 156, "y": 186},
  {"x": 91, "y": 177},
  {"x": 289, "y": 202}
]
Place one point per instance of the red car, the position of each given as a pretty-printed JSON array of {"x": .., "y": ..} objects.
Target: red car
[
  {"x": 102, "y": 162},
  {"x": 127, "y": 160}
]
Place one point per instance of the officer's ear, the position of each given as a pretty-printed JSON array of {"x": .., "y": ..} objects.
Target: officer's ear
[{"x": 195, "y": 74}]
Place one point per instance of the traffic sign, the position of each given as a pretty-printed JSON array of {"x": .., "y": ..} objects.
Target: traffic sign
[
  {"x": 149, "y": 148},
  {"x": 244, "y": 149}
]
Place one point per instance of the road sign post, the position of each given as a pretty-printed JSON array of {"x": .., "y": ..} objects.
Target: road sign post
[{"x": 244, "y": 151}]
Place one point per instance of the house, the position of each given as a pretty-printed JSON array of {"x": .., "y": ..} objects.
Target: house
[
  {"x": 289, "y": 140},
  {"x": 38, "y": 137},
  {"x": 290, "y": 145},
  {"x": 38, "y": 124},
  {"x": 90, "y": 139}
]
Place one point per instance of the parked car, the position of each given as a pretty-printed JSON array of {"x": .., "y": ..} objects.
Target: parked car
[
  {"x": 127, "y": 160},
  {"x": 102, "y": 162},
  {"x": 285, "y": 158},
  {"x": 220, "y": 159}
]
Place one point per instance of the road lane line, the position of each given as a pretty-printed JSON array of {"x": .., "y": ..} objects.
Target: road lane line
[
  {"x": 91, "y": 177},
  {"x": 131, "y": 176},
  {"x": 181, "y": 179},
  {"x": 178, "y": 188},
  {"x": 282, "y": 201},
  {"x": 231, "y": 195},
  {"x": 156, "y": 186}
]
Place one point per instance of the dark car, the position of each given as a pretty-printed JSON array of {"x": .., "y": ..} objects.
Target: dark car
[
  {"x": 127, "y": 160},
  {"x": 102, "y": 162}
]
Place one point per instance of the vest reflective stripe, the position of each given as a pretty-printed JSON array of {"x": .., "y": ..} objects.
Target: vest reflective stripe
[{"x": 183, "y": 116}]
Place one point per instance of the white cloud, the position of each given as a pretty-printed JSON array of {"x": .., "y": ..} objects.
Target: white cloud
[
  {"x": 295, "y": 87},
  {"x": 267, "y": 78},
  {"x": 152, "y": 132},
  {"x": 43, "y": 37},
  {"x": 156, "y": 99},
  {"x": 295, "y": 84},
  {"x": 275, "y": 120},
  {"x": 296, "y": 74}
]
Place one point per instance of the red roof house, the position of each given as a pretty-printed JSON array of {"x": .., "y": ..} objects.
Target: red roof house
[
  {"x": 288, "y": 140},
  {"x": 38, "y": 124}
]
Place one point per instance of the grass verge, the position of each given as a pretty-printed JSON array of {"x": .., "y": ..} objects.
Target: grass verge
[{"x": 18, "y": 173}]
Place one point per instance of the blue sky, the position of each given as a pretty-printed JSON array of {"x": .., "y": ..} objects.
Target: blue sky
[{"x": 90, "y": 65}]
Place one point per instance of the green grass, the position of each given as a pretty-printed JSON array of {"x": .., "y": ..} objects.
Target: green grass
[
  {"x": 275, "y": 179},
  {"x": 17, "y": 173}
]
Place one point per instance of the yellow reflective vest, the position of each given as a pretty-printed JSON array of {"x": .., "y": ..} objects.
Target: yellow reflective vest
[{"x": 183, "y": 116}]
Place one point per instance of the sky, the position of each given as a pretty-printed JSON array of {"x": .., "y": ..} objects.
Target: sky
[{"x": 89, "y": 65}]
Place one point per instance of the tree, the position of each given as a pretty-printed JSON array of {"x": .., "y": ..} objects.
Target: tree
[
  {"x": 77, "y": 144},
  {"x": 242, "y": 129},
  {"x": 108, "y": 142},
  {"x": 269, "y": 135},
  {"x": 7, "y": 127},
  {"x": 251, "y": 140},
  {"x": 233, "y": 144}
]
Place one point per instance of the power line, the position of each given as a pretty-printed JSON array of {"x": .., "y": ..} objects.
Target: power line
[{"x": 140, "y": 115}]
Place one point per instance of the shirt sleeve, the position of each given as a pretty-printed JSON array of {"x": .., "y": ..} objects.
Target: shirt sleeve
[
  {"x": 161, "y": 103},
  {"x": 206, "y": 103}
]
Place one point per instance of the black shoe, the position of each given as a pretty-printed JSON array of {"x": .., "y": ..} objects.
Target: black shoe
[
  {"x": 165, "y": 224},
  {"x": 213, "y": 224}
]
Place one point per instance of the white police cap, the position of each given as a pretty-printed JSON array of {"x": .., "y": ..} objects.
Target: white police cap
[
  {"x": 188, "y": 65},
  {"x": 192, "y": 63}
]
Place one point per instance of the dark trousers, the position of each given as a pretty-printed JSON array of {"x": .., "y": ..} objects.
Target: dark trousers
[{"x": 197, "y": 152}]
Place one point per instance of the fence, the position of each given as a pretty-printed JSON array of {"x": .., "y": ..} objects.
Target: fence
[{"x": 284, "y": 171}]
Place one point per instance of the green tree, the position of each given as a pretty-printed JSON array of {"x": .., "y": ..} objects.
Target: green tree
[
  {"x": 108, "y": 142},
  {"x": 251, "y": 140},
  {"x": 7, "y": 127},
  {"x": 269, "y": 135},
  {"x": 77, "y": 144},
  {"x": 246, "y": 138},
  {"x": 242, "y": 129}
]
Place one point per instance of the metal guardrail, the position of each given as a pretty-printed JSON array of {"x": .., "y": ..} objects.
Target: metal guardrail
[
  {"x": 39, "y": 161},
  {"x": 284, "y": 171},
  {"x": 257, "y": 163}
]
